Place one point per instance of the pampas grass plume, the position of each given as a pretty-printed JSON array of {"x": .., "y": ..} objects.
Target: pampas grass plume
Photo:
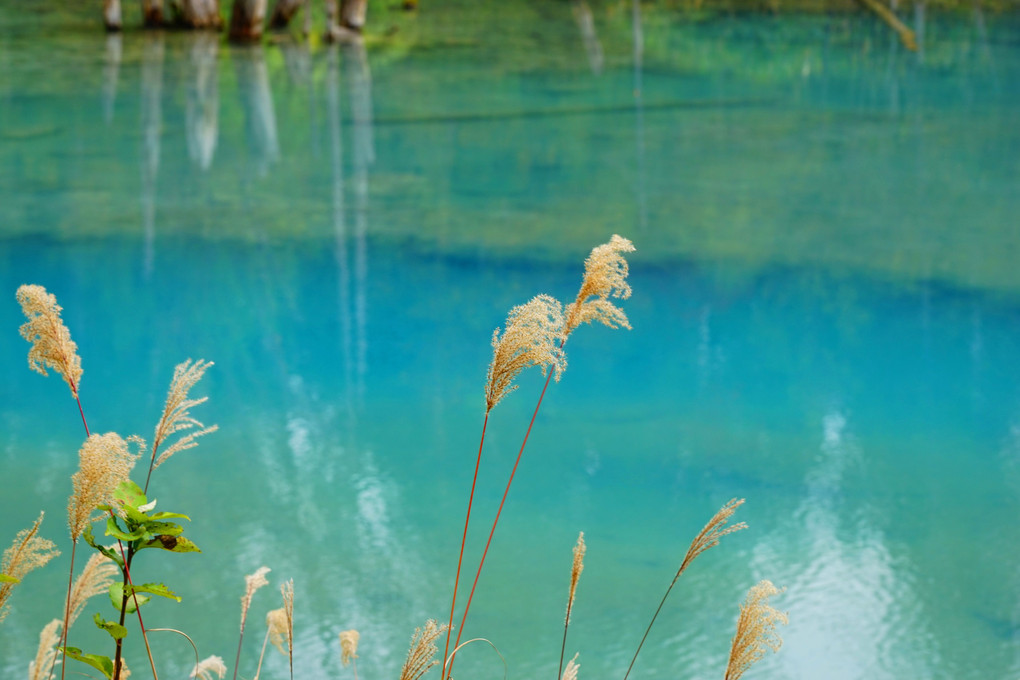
[
  {"x": 28, "y": 552},
  {"x": 205, "y": 668},
  {"x": 51, "y": 341},
  {"x": 421, "y": 655},
  {"x": 252, "y": 582},
  {"x": 575, "y": 572},
  {"x": 349, "y": 646},
  {"x": 756, "y": 630},
  {"x": 46, "y": 656},
  {"x": 104, "y": 461},
  {"x": 605, "y": 276},
  {"x": 95, "y": 579},
  {"x": 531, "y": 337},
  {"x": 177, "y": 412},
  {"x": 570, "y": 673},
  {"x": 709, "y": 536}
]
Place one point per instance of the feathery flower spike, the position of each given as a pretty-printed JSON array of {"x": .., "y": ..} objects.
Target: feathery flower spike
[
  {"x": 205, "y": 668},
  {"x": 349, "y": 646},
  {"x": 46, "y": 656},
  {"x": 756, "y": 630},
  {"x": 28, "y": 552},
  {"x": 51, "y": 341},
  {"x": 533, "y": 331},
  {"x": 605, "y": 276},
  {"x": 575, "y": 572},
  {"x": 95, "y": 579},
  {"x": 572, "y": 667},
  {"x": 104, "y": 461},
  {"x": 709, "y": 536},
  {"x": 177, "y": 414},
  {"x": 252, "y": 582},
  {"x": 421, "y": 655}
]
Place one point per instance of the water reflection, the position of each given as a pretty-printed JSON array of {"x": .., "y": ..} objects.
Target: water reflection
[
  {"x": 586, "y": 25},
  {"x": 203, "y": 99},
  {"x": 153, "y": 53},
  {"x": 111, "y": 71},
  {"x": 844, "y": 582},
  {"x": 257, "y": 102}
]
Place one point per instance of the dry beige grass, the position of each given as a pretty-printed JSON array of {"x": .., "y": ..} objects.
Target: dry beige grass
[
  {"x": 605, "y": 276},
  {"x": 756, "y": 630},
  {"x": 349, "y": 646},
  {"x": 95, "y": 579},
  {"x": 104, "y": 461},
  {"x": 28, "y": 552},
  {"x": 205, "y": 668},
  {"x": 46, "y": 656},
  {"x": 177, "y": 417},
  {"x": 421, "y": 655},
  {"x": 531, "y": 338},
  {"x": 51, "y": 341},
  {"x": 709, "y": 536}
]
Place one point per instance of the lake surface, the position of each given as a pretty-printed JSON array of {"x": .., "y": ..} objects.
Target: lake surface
[{"x": 826, "y": 319}]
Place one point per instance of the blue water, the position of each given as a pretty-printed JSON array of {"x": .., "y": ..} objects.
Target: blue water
[{"x": 826, "y": 319}]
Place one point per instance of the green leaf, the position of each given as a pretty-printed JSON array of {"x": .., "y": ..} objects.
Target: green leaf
[
  {"x": 103, "y": 664},
  {"x": 113, "y": 529},
  {"x": 153, "y": 529},
  {"x": 115, "y": 630},
  {"x": 154, "y": 589},
  {"x": 177, "y": 544},
  {"x": 4, "y": 578},
  {"x": 168, "y": 515},
  {"x": 129, "y": 493},
  {"x": 112, "y": 554},
  {"x": 117, "y": 598}
]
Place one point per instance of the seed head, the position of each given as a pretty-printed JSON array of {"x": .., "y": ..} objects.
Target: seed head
[
  {"x": 533, "y": 333},
  {"x": 104, "y": 461},
  {"x": 51, "y": 341},
  {"x": 756, "y": 630},
  {"x": 605, "y": 276},
  {"x": 28, "y": 552}
]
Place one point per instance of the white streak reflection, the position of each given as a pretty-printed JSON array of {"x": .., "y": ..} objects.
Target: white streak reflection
[{"x": 854, "y": 613}]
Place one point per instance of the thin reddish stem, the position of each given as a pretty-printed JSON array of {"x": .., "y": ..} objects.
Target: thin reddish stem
[
  {"x": 67, "y": 615},
  {"x": 82, "y": 412},
  {"x": 463, "y": 540},
  {"x": 500, "y": 510}
]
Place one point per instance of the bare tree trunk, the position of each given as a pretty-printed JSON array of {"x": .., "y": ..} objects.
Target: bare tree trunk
[
  {"x": 197, "y": 13},
  {"x": 152, "y": 13},
  {"x": 283, "y": 12},
  {"x": 202, "y": 111},
  {"x": 586, "y": 24},
  {"x": 111, "y": 15},
  {"x": 352, "y": 14},
  {"x": 246, "y": 18}
]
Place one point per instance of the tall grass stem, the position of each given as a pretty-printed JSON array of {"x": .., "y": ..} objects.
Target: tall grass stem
[{"x": 463, "y": 541}]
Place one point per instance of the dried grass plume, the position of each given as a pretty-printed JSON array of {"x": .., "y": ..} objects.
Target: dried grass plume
[
  {"x": 605, "y": 276},
  {"x": 95, "y": 579},
  {"x": 756, "y": 630},
  {"x": 570, "y": 673},
  {"x": 531, "y": 338},
  {"x": 205, "y": 668},
  {"x": 349, "y": 646},
  {"x": 46, "y": 656},
  {"x": 176, "y": 416},
  {"x": 51, "y": 341},
  {"x": 252, "y": 582},
  {"x": 104, "y": 461},
  {"x": 28, "y": 552},
  {"x": 709, "y": 536},
  {"x": 575, "y": 571},
  {"x": 421, "y": 655}
]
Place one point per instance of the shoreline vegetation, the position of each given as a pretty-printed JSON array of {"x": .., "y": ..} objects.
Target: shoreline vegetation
[{"x": 534, "y": 336}]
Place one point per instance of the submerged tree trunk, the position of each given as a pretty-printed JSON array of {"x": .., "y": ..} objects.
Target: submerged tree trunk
[
  {"x": 197, "y": 13},
  {"x": 152, "y": 13},
  {"x": 111, "y": 15},
  {"x": 246, "y": 18},
  {"x": 283, "y": 12}
]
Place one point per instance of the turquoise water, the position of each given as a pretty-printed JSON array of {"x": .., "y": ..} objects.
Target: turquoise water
[{"x": 826, "y": 318}]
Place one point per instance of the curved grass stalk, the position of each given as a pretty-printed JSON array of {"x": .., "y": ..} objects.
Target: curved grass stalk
[{"x": 448, "y": 665}]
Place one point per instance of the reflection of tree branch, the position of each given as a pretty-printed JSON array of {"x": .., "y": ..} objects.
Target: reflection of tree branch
[
  {"x": 257, "y": 99},
  {"x": 152, "y": 119},
  {"x": 111, "y": 71},
  {"x": 586, "y": 24},
  {"x": 202, "y": 112},
  {"x": 340, "y": 253},
  {"x": 197, "y": 13},
  {"x": 359, "y": 81},
  {"x": 639, "y": 113}
]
